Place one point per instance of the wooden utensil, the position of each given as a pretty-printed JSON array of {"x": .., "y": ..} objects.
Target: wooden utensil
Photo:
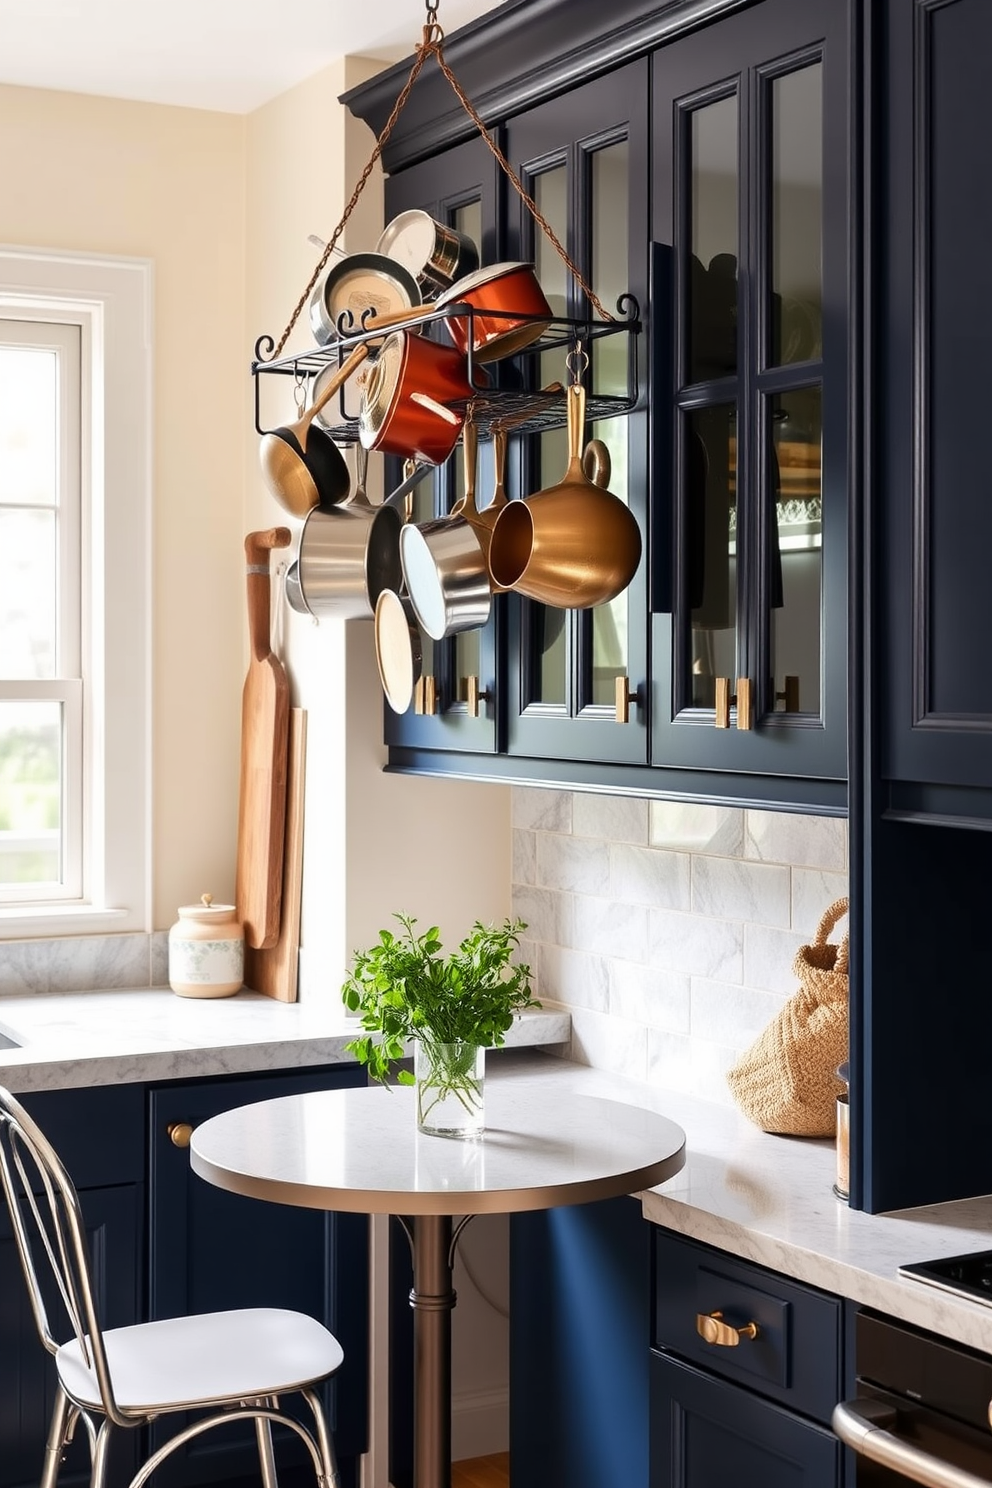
[
  {"x": 264, "y": 746},
  {"x": 276, "y": 971}
]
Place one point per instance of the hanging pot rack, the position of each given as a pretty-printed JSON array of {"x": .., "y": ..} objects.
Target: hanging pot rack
[{"x": 497, "y": 403}]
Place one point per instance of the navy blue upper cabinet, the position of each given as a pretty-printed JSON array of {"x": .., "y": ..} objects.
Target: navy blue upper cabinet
[
  {"x": 699, "y": 158},
  {"x": 751, "y": 219},
  {"x": 935, "y": 320},
  {"x": 583, "y": 158}
]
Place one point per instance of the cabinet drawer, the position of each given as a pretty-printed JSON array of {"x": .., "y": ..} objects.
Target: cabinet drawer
[{"x": 795, "y": 1355}]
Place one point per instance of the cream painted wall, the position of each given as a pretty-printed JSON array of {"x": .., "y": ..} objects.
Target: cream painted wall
[
  {"x": 375, "y": 843},
  {"x": 104, "y": 175}
]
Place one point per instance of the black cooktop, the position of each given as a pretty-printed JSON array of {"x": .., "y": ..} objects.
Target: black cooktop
[{"x": 967, "y": 1275}]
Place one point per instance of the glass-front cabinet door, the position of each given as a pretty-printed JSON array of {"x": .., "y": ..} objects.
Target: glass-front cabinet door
[
  {"x": 456, "y": 701},
  {"x": 750, "y": 393},
  {"x": 583, "y": 159}
]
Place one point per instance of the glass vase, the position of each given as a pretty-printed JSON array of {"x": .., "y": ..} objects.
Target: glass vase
[{"x": 450, "y": 1088}]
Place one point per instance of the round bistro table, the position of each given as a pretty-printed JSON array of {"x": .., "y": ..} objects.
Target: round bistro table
[{"x": 359, "y": 1151}]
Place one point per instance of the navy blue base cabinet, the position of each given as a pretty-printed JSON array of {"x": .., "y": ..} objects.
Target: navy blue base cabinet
[
  {"x": 164, "y": 1243},
  {"x": 579, "y": 1334},
  {"x": 755, "y": 1413}
]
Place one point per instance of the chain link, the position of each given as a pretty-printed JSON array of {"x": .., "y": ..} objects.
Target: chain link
[{"x": 431, "y": 46}]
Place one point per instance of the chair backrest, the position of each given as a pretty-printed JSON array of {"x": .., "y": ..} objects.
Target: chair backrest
[{"x": 50, "y": 1238}]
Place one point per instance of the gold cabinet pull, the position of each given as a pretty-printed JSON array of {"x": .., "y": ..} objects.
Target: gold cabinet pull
[
  {"x": 180, "y": 1133},
  {"x": 725, "y": 700},
  {"x": 474, "y": 695},
  {"x": 789, "y": 695},
  {"x": 711, "y": 1327},
  {"x": 425, "y": 696},
  {"x": 743, "y": 700},
  {"x": 625, "y": 699}
]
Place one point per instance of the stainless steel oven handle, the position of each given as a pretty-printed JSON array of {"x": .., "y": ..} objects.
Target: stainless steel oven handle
[{"x": 862, "y": 1424}]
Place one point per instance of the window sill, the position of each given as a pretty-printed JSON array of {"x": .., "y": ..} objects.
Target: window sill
[{"x": 41, "y": 921}]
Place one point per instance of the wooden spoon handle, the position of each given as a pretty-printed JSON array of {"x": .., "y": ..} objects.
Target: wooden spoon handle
[{"x": 334, "y": 384}]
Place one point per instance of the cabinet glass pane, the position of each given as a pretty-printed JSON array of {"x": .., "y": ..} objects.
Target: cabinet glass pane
[
  {"x": 797, "y": 216},
  {"x": 30, "y": 791},
  {"x": 610, "y": 192},
  {"x": 710, "y": 549},
  {"x": 547, "y": 630},
  {"x": 609, "y": 621},
  {"x": 466, "y": 645},
  {"x": 713, "y": 239},
  {"x": 468, "y": 219},
  {"x": 610, "y": 204},
  {"x": 796, "y": 555}
]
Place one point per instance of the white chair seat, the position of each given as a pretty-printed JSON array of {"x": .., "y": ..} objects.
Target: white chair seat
[{"x": 208, "y": 1359}]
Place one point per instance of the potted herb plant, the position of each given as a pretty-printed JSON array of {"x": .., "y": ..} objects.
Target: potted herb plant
[{"x": 453, "y": 1007}]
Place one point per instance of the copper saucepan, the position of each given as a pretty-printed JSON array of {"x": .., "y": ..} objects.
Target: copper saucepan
[
  {"x": 509, "y": 310},
  {"x": 574, "y": 544},
  {"x": 406, "y": 399}
]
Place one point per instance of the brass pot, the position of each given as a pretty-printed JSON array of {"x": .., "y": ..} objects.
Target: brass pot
[{"x": 574, "y": 544}]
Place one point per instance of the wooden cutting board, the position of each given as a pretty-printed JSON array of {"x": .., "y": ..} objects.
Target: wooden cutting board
[
  {"x": 264, "y": 746},
  {"x": 276, "y": 971}
]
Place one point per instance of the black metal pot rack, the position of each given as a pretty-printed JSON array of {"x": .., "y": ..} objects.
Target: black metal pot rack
[{"x": 503, "y": 399}]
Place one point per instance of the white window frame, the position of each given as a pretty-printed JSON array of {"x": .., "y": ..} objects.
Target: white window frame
[{"x": 111, "y": 299}]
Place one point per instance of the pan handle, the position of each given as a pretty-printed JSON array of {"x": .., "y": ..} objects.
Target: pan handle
[{"x": 258, "y": 545}]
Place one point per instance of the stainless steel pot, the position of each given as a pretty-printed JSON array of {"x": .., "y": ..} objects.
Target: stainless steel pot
[
  {"x": 347, "y": 556},
  {"x": 436, "y": 255},
  {"x": 360, "y": 283},
  {"x": 444, "y": 563}
]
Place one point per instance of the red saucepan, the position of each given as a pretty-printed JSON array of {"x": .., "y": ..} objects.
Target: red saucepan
[
  {"x": 406, "y": 401},
  {"x": 509, "y": 310}
]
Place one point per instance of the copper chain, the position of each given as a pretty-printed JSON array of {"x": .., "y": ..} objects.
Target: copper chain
[{"x": 431, "y": 46}]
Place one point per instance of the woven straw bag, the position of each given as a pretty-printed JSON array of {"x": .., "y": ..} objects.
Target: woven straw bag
[{"x": 787, "y": 1081}]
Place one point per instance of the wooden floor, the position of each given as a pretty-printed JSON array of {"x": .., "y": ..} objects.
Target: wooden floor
[{"x": 482, "y": 1472}]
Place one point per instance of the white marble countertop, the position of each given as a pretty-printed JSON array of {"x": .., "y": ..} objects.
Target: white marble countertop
[
  {"x": 111, "y": 1038},
  {"x": 770, "y": 1199},
  {"x": 767, "y": 1199}
]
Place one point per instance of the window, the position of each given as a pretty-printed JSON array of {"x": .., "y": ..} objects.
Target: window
[{"x": 75, "y": 421}]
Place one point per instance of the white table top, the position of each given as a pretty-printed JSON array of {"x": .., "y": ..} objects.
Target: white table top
[{"x": 360, "y": 1151}]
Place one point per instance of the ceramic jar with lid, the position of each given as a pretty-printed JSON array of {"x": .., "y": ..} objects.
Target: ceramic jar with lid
[{"x": 206, "y": 950}]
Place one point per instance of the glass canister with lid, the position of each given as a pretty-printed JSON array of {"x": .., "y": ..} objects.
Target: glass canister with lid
[{"x": 206, "y": 950}]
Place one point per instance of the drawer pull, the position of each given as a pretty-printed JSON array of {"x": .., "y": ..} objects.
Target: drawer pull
[
  {"x": 180, "y": 1133},
  {"x": 711, "y": 1327}
]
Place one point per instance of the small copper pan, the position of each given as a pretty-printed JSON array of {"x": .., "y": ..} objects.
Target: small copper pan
[
  {"x": 509, "y": 310},
  {"x": 406, "y": 402}
]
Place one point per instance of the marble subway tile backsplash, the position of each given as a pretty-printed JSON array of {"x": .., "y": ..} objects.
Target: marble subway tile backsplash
[
  {"x": 668, "y": 930},
  {"x": 83, "y": 963}
]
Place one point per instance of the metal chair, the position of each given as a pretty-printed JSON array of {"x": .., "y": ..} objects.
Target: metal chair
[{"x": 233, "y": 1364}]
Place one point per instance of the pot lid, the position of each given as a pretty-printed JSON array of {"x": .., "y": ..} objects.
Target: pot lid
[{"x": 398, "y": 650}]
